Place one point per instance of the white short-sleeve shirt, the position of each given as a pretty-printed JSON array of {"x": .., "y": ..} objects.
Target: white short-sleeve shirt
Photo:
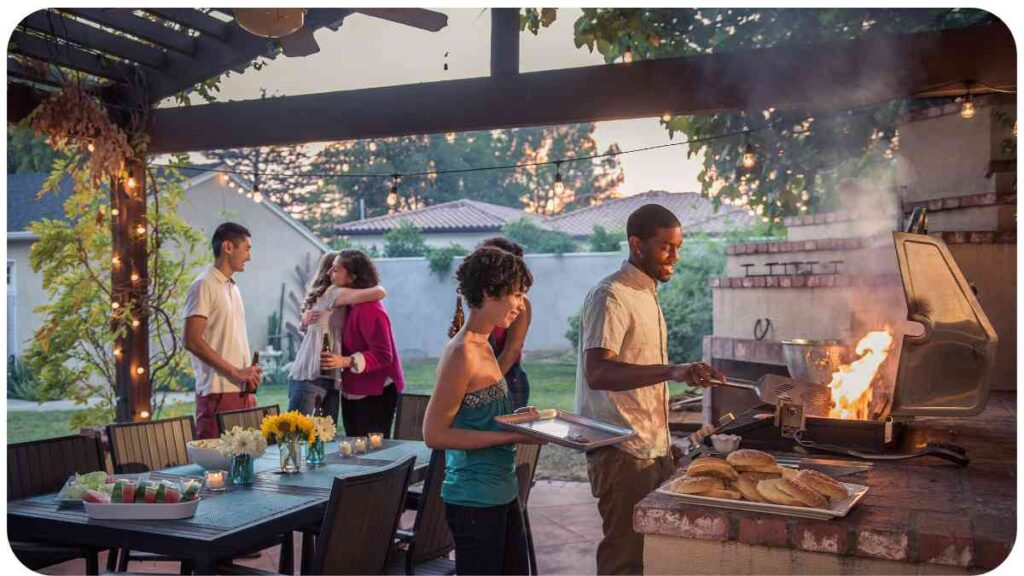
[
  {"x": 622, "y": 314},
  {"x": 216, "y": 297}
]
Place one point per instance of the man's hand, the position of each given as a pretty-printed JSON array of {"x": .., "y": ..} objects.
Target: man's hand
[
  {"x": 331, "y": 361},
  {"x": 696, "y": 374},
  {"x": 248, "y": 378},
  {"x": 310, "y": 317}
]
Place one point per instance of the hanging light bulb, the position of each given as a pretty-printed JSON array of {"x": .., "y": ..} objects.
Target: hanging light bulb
[
  {"x": 967, "y": 109},
  {"x": 373, "y": 146},
  {"x": 135, "y": 276},
  {"x": 140, "y": 229},
  {"x": 627, "y": 56},
  {"x": 231, "y": 183},
  {"x": 114, "y": 211},
  {"x": 257, "y": 197},
  {"x": 140, "y": 370},
  {"x": 116, "y": 260},
  {"x": 144, "y": 414},
  {"x": 320, "y": 183},
  {"x": 90, "y": 148},
  {"x": 559, "y": 185},
  {"x": 344, "y": 167},
  {"x": 118, "y": 352},
  {"x": 115, "y": 305},
  {"x": 131, "y": 183},
  {"x": 135, "y": 324},
  {"x": 666, "y": 117},
  {"x": 393, "y": 194},
  {"x": 749, "y": 159}
]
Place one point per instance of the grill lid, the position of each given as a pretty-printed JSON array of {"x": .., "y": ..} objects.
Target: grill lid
[{"x": 947, "y": 369}]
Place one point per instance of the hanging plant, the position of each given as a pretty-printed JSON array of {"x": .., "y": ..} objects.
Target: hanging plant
[{"x": 73, "y": 118}]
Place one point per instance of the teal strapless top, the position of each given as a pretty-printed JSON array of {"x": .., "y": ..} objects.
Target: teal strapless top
[{"x": 484, "y": 477}]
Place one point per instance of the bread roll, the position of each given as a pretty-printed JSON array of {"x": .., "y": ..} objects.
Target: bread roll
[
  {"x": 747, "y": 457},
  {"x": 823, "y": 484},
  {"x": 697, "y": 484},
  {"x": 712, "y": 467},
  {"x": 747, "y": 485},
  {"x": 727, "y": 494},
  {"x": 770, "y": 469},
  {"x": 770, "y": 491},
  {"x": 802, "y": 492}
]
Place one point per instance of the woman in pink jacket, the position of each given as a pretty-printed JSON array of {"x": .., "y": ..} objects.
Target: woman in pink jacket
[{"x": 373, "y": 375}]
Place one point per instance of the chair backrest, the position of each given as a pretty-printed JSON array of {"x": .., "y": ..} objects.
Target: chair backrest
[
  {"x": 246, "y": 418},
  {"x": 362, "y": 516},
  {"x": 409, "y": 416},
  {"x": 42, "y": 466},
  {"x": 526, "y": 466},
  {"x": 431, "y": 536},
  {"x": 153, "y": 445}
]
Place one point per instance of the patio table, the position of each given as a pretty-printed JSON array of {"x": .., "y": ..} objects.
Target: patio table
[{"x": 226, "y": 524}]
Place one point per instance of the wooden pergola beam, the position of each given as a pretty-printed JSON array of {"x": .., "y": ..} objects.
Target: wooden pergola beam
[{"x": 831, "y": 75}]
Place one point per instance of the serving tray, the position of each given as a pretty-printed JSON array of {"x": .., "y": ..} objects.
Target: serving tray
[
  {"x": 142, "y": 511},
  {"x": 565, "y": 429},
  {"x": 836, "y": 509}
]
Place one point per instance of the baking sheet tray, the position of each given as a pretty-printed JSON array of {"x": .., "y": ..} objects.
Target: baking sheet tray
[
  {"x": 566, "y": 429},
  {"x": 836, "y": 510}
]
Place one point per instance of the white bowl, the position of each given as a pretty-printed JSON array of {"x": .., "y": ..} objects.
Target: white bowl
[
  {"x": 207, "y": 458},
  {"x": 725, "y": 443}
]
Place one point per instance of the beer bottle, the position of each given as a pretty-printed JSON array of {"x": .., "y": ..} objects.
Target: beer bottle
[
  {"x": 326, "y": 348},
  {"x": 318, "y": 409},
  {"x": 251, "y": 388}
]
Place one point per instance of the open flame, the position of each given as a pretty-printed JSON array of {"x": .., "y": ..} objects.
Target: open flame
[{"x": 851, "y": 383}]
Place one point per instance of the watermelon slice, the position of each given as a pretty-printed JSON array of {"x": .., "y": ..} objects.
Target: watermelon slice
[
  {"x": 141, "y": 489},
  {"x": 151, "y": 493},
  {"x": 172, "y": 495},
  {"x": 123, "y": 491},
  {"x": 96, "y": 496}
]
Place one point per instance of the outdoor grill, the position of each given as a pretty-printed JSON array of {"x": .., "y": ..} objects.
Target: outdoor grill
[{"x": 941, "y": 364}]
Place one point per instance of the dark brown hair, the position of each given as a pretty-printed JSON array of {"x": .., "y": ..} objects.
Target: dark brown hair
[
  {"x": 360, "y": 267},
  {"x": 503, "y": 243},
  {"x": 228, "y": 231},
  {"x": 493, "y": 272},
  {"x": 645, "y": 221},
  {"x": 321, "y": 282}
]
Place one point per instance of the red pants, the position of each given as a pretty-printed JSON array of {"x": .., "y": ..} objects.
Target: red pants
[{"x": 207, "y": 408}]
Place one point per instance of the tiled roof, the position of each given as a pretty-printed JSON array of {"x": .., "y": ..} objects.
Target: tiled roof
[
  {"x": 22, "y": 205},
  {"x": 696, "y": 213},
  {"x": 455, "y": 216}
]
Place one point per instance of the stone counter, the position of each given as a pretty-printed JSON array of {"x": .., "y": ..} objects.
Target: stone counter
[{"x": 920, "y": 516}]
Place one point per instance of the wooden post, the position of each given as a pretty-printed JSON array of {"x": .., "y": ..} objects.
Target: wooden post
[
  {"x": 504, "y": 41},
  {"x": 130, "y": 282}
]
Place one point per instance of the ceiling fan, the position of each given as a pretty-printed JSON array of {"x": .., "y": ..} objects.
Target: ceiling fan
[{"x": 288, "y": 24}]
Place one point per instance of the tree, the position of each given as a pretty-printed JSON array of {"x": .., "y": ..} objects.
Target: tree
[
  {"x": 803, "y": 154},
  {"x": 536, "y": 240},
  {"x": 27, "y": 152},
  {"x": 604, "y": 240},
  {"x": 364, "y": 170},
  {"x": 72, "y": 352},
  {"x": 404, "y": 241}
]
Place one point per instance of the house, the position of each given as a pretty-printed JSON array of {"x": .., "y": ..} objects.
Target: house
[
  {"x": 467, "y": 222},
  {"x": 464, "y": 222},
  {"x": 696, "y": 213},
  {"x": 279, "y": 244}
]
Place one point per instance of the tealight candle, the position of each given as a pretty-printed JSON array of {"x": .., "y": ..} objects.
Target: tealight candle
[
  {"x": 376, "y": 440},
  {"x": 216, "y": 479},
  {"x": 359, "y": 444},
  {"x": 345, "y": 448}
]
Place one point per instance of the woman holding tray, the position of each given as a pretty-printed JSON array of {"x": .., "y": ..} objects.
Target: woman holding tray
[{"x": 480, "y": 489}]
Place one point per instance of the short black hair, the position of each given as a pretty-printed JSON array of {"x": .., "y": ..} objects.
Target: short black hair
[
  {"x": 491, "y": 271},
  {"x": 645, "y": 221},
  {"x": 228, "y": 231},
  {"x": 359, "y": 265},
  {"x": 505, "y": 244}
]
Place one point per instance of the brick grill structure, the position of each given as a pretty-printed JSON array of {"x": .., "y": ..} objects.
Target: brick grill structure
[{"x": 917, "y": 511}]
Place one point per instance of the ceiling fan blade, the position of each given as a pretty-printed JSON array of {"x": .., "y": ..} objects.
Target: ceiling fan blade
[
  {"x": 416, "y": 17},
  {"x": 299, "y": 43}
]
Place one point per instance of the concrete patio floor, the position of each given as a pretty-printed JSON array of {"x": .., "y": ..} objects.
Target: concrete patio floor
[{"x": 563, "y": 516}]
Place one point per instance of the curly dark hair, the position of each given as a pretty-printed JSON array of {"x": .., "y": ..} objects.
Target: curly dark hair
[
  {"x": 491, "y": 271},
  {"x": 503, "y": 243},
  {"x": 359, "y": 266}
]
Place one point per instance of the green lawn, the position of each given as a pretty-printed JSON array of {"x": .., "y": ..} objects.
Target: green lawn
[{"x": 552, "y": 385}]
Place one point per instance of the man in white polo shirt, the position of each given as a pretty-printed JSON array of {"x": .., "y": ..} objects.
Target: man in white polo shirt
[
  {"x": 215, "y": 332},
  {"x": 621, "y": 378}
]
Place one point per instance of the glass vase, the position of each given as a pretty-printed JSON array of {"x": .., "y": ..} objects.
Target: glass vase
[
  {"x": 315, "y": 454},
  {"x": 291, "y": 455},
  {"x": 242, "y": 469}
]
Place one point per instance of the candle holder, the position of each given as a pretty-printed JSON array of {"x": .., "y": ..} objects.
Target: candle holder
[
  {"x": 345, "y": 448},
  {"x": 359, "y": 444},
  {"x": 242, "y": 469},
  {"x": 376, "y": 440},
  {"x": 216, "y": 480}
]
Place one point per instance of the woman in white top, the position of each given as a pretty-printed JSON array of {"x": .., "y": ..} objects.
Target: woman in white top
[{"x": 308, "y": 386}]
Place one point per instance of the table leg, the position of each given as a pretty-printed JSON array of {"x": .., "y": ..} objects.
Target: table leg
[{"x": 205, "y": 565}]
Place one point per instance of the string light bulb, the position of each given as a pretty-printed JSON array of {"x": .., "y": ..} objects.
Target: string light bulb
[
  {"x": 144, "y": 414},
  {"x": 135, "y": 324},
  {"x": 131, "y": 183},
  {"x": 118, "y": 352},
  {"x": 135, "y": 276},
  {"x": 140, "y": 229},
  {"x": 627, "y": 56},
  {"x": 749, "y": 159},
  {"x": 320, "y": 183},
  {"x": 344, "y": 166},
  {"x": 967, "y": 108},
  {"x": 257, "y": 197},
  {"x": 140, "y": 370},
  {"x": 114, "y": 211},
  {"x": 115, "y": 305},
  {"x": 373, "y": 146},
  {"x": 393, "y": 194},
  {"x": 666, "y": 117},
  {"x": 91, "y": 148},
  {"x": 559, "y": 186},
  {"x": 116, "y": 260}
]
